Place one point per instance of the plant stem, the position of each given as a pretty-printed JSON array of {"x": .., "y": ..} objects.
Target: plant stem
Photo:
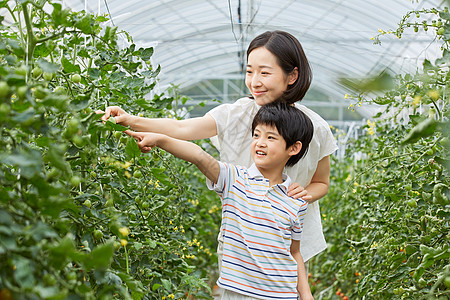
[
  {"x": 126, "y": 259},
  {"x": 31, "y": 39}
]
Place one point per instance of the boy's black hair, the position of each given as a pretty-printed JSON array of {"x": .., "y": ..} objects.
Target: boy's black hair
[
  {"x": 290, "y": 55},
  {"x": 292, "y": 124}
]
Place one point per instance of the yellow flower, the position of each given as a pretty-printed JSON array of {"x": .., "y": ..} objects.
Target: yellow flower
[
  {"x": 123, "y": 242},
  {"x": 127, "y": 174},
  {"x": 433, "y": 94},
  {"x": 349, "y": 177},
  {"x": 175, "y": 228},
  {"x": 124, "y": 231},
  {"x": 416, "y": 100},
  {"x": 346, "y": 96},
  {"x": 126, "y": 165}
]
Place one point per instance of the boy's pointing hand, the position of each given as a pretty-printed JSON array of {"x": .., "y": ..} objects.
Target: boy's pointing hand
[{"x": 145, "y": 140}]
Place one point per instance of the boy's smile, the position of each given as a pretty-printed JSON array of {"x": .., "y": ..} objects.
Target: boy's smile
[{"x": 268, "y": 149}]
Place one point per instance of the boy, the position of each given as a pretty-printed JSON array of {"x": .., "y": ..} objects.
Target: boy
[{"x": 261, "y": 224}]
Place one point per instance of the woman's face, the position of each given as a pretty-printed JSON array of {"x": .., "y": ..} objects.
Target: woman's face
[{"x": 265, "y": 79}]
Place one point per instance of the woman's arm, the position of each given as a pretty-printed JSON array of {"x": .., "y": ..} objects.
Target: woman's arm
[
  {"x": 302, "y": 279},
  {"x": 187, "y": 151},
  {"x": 319, "y": 185},
  {"x": 188, "y": 129}
]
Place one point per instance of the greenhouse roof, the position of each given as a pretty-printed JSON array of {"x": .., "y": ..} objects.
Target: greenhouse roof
[{"x": 198, "y": 40}]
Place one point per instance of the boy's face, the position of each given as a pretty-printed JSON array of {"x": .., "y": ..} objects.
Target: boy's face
[
  {"x": 268, "y": 148},
  {"x": 265, "y": 79}
]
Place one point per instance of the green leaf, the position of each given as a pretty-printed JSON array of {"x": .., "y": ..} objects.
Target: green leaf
[
  {"x": 60, "y": 253},
  {"x": 147, "y": 53},
  {"x": 30, "y": 162},
  {"x": 156, "y": 286},
  {"x": 137, "y": 245},
  {"x": 423, "y": 129},
  {"x": 47, "y": 66},
  {"x": 132, "y": 149},
  {"x": 132, "y": 284},
  {"x": 23, "y": 273},
  {"x": 100, "y": 257},
  {"x": 85, "y": 24},
  {"x": 55, "y": 155},
  {"x": 167, "y": 284},
  {"x": 69, "y": 67}
]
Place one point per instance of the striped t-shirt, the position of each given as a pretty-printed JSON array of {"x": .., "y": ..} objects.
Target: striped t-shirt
[{"x": 258, "y": 224}]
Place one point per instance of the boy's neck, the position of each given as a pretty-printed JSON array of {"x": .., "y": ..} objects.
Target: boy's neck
[{"x": 275, "y": 176}]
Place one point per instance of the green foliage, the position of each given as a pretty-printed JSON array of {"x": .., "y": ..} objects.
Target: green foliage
[
  {"x": 386, "y": 217},
  {"x": 82, "y": 212}
]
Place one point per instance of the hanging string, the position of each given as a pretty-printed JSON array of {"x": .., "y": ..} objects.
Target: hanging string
[
  {"x": 110, "y": 16},
  {"x": 231, "y": 20}
]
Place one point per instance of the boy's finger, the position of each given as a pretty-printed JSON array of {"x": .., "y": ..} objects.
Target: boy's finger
[{"x": 130, "y": 133}]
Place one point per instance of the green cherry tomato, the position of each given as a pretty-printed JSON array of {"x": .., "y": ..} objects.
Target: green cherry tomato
[
  {"x": 36, "y": 72},
  {"x": 87, "y": 203},
  {"x": 47, "y": 76},
  {"x": 447, "y": 282},
  {"x": 4, "y": 89},
  {"x": 137, "y": 174},
  {"x": 71, "y": 276},
  {"x": 412, "y": 203},
  {"x": 440, "y": 31},
  {"x": 97, "y": 234},
  {"x": 118, "y": 135},
  {"x": 22, "y": 70},
  {"x": 59, "y": 90},
  {"x": 123, "y": 139},
  {"x": 22, "y": 91},
  {"x": 145, "y": 205},
  {"x": 76, "y": 78},
  {"x": 40, "y": 92},
  {"x": 112, "y": 120},
  {"x": 78, "y": 141},
  {"x": 75, "y": 180},
  {"x": 4, "y": 109}
]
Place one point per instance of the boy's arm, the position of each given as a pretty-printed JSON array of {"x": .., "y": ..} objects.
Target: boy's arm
[
  {"x": 302, "y": 279},
  {"x": 187, "y": 151}
]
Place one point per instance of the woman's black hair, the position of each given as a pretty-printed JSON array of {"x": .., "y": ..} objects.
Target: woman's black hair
[
  {"x": 292, "y": 124},
  {"x": 289, "y": 53}
]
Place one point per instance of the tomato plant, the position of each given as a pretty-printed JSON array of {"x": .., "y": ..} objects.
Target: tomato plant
[
  {"x": 74, "y": 221},
  {"x": 386, "y": 217}
]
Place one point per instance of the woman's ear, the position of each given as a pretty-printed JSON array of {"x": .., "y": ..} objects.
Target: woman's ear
[
  {"x": 293, "y": 76},
  {"x": 295, "y": 148}
]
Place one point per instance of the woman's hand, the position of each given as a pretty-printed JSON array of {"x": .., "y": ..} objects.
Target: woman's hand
[
  {"x": 296, "y": 191},
  {"x": 121, "y": 116}
]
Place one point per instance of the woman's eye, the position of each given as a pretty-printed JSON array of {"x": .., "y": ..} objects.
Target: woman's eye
[{"x": 249, "y": 72}]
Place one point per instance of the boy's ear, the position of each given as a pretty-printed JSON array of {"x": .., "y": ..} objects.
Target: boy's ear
[
  {"x": 293, "y": 76},
  {"x": 295, "y": 148}
]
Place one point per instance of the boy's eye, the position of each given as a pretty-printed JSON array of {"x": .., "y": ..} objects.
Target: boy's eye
[
  {"x": 249, "y": 72},
  {"x": 271, "y": 137}
]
